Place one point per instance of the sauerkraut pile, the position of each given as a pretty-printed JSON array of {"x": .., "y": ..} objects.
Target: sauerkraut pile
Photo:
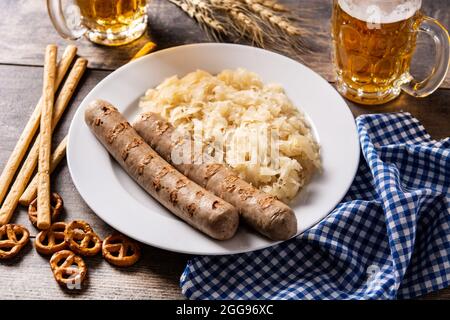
[{"x": 265, "y": 139}]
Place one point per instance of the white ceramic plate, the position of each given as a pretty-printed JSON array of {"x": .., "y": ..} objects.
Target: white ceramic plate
[{"x": 120, "y": 202}]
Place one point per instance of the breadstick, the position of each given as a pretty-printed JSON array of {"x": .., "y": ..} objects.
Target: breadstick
[
  {"x": 59, "y": 153},
  {"x": 26, "y": 172},
  {"x": 31, "y": 191},
  {"x": 147, "y": 48},
  {"x": 31, "y": 127},
  {"x": 45, "y": 146}
]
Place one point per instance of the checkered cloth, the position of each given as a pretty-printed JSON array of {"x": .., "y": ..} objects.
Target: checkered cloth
[{"x": 388, "y": 239}]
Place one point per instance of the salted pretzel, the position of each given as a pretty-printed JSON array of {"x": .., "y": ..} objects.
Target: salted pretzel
[
  {"x": 68, "y": 268},
  {"x": 120, "y": 250},
  {"x": 57, "y": 206},
  {"x": 81, "y": 239},
  {"x": 13, "y": 238},
  {"x": 51, "y": 240}
]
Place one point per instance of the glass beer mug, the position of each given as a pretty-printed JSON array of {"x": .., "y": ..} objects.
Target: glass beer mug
[
  {"x": 107, "y": 22},
  {"x": 374, "y": 41}
]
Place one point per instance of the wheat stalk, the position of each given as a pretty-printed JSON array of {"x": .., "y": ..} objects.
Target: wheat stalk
[
  {"x": 271, "y": 4},
  {"x": 239, "y": 21},
  {"x": 264, "y": 23},
  {"x": 202, "y": 13}
]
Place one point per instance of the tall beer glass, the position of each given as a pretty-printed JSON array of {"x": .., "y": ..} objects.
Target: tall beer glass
[
  {"x": 106, "y": 22},
  {"x": 374, "y": 41}
]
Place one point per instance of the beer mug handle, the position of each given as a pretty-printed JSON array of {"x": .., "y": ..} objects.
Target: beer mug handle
[
  {"x": 441, "y": 39},
  {"x": 68, "y": 25}
]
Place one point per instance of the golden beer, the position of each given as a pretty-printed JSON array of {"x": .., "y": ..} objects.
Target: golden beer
[
  {"x": 116, "y": 21},
  {"x": 373, "y": 56},
  {"x": 114, "y": 14}
]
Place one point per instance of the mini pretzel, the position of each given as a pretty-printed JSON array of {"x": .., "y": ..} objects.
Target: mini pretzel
[
  {"x": 51, "y": 240},
  {"x": 13, "y": 238},
  {"x": 57, "y": 207},
  {"x": 81, "y": 239},
  {"x": 120, "y": 250},
  {"x": 68, "y": 268}
]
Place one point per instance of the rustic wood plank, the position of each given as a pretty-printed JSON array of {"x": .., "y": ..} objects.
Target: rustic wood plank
[
  {"x": 168, "y": 27},
  {"x": 156, "y": 276},
  {"x": 21, "y": 44},
  {"x": 433, "y": 111},
  {"x": 443, "y": 294}
]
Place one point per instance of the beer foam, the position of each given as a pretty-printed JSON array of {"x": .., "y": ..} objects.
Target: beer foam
[{"x": 380, "y": 11}]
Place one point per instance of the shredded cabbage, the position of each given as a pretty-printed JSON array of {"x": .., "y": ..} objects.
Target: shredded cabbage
[{"x": 238, "y": 104}]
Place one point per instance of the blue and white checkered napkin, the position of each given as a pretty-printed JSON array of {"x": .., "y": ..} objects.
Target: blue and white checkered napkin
[{"x": 388, "y": 239}]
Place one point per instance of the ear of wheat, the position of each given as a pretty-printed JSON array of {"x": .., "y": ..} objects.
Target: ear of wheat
[
  {"x": 264, "y": 23},
  {"x": 266, "y": 13},
  {"x": 270, "y": 4},
  {"x": 202, "y": 13}
]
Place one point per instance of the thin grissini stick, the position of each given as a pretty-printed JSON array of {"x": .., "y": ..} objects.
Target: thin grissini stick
[
  {"x": 187, "y": 200},
  {"x": 26, "y": 172},
  {"x": 31, "y": 127},
  {"x": 31, "y": 191},
  {"x": 45, "y": 147},
  {"x": 261, "y": 211}
]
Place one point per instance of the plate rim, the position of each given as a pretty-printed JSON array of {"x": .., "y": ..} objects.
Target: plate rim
[{"x": 101, "y": 84}]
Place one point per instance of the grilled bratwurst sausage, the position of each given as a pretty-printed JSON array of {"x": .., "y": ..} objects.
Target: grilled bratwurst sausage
[
  {"x": 261, "y": 211},
  {"x": 190, "y": 202}
]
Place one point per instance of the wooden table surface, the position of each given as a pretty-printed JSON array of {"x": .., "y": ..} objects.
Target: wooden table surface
[{"x": 24, "y": 32}]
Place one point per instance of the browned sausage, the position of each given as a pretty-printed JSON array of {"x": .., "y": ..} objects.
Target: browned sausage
[
  {"x": 190, "y": 202},
  {"x": 261, "y": 211}
]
